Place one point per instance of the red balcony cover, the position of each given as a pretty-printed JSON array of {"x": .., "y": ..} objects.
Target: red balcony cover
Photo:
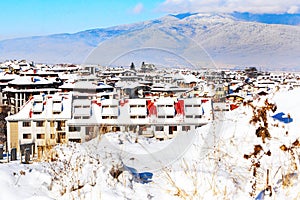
[
  {"x": 179, "y": 107},
  {"x": 151, "y": 108}
]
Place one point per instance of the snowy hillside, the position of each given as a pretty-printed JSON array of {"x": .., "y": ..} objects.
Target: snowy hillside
[
  {"x": 244, "y": 154},
  {"x": 203, "y": 39},
  {"x": 210, "y": 40}
]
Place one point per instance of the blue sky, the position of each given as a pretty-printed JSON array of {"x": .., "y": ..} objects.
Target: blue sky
[
  {"x": 39, "y": 17},
  {"x": 20, "y": 18}
]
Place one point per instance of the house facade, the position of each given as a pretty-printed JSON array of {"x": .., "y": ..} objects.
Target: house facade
[{"x": 49, "y": 119}]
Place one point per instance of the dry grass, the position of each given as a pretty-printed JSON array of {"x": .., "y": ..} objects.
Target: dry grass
[{"x": 260, "y": 119}]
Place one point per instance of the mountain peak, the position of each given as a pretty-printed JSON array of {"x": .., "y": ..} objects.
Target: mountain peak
[
  {"x": 183, "y": 15},
  {"x": 226, "y": 38}
]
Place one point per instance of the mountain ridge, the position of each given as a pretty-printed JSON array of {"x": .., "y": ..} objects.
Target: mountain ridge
[{"x": 228, "y": 39}]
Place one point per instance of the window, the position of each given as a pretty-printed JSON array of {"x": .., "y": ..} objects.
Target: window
[
  {"x": 52, "y": 136},
  {"x": 116, "y": 128},
  {"x": 198, "y": 116},
  {"x": 169, "y": 116},
  {"x": 161, "y": 116},
  {"x": 169, "y": 106},
  {"x": 60, "y": 125},
  {"x": 85, "y": 117},
  {"x": 77, "y": 117},
  {"x": 188, "y": 106},
  {"x": 26, "y": 136},
  {"x": 197, "y": 106},
  {"x": 62, "y": 135},
  {"x": 74, "y": 129},
  {"x": 133, "y": 117},
  {"x": 26, "y": 124},
  {"x": 51, "y": 123},
  {"x": 172, "y": 129},
  {"x": 159, "y": 128},
  {"x": 186, "y": 128},
  {"x": 132, "y": 127},
  {"x": 86, "y": 106},
  {"x": 142, "y": 117},
  {"x": 110, "y": 117},
  {"x": 189, "y": 116},
  {"x": 40, "y": 136},
  {"x": 89, "y": 130},
  {"x": 39, "y": 123}
]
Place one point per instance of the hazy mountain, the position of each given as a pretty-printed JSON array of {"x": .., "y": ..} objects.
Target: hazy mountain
[
  {"x": 59, "y": 48},
  {"x": 183, "y": 39}
]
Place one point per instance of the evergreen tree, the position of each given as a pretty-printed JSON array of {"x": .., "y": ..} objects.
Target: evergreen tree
[{"x": 132, "y": 67}]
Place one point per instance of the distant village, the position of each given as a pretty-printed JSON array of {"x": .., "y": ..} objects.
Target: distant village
[{"x": 44, "y": 105}]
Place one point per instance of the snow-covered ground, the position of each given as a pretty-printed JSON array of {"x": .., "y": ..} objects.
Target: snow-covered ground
[{"x": 222, "y": 160}]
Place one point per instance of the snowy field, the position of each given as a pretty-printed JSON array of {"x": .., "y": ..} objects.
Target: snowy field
[{"x": 244, "y": 154}]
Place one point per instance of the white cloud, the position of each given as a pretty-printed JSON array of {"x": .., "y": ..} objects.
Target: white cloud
[
  {"x": 254, "y": 6},
  {"x": 293, "y": 9},
  {"x": 138, "y": 8}
]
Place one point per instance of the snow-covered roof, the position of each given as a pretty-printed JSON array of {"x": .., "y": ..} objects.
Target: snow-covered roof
[
  {"x": 79, "y": 85},
  {"x": 81, "y": 102},
  {"x": 38, "y": 98},
  {"x": 38, "y": 107},
  {"x": 44, "y": 110},
  {"x": 103, "y": 86},
  {"x": 57, "y": 98},
  {"x": 57, "y": 107},
  {"x": 133, "y": 85},
  {"x": 190, "y": 78},
  {"x": 82, "y": 111},
  {"x": 137, "y": 101},
  {"x": 167, "y": 88},
  {"x": 165, "y": 101},
  {"x": 29, "y": 80},
  {"x": 114, "y": 79},
  {"x": 64, "y": 76},
  {"x": 4, "y": 76}
]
